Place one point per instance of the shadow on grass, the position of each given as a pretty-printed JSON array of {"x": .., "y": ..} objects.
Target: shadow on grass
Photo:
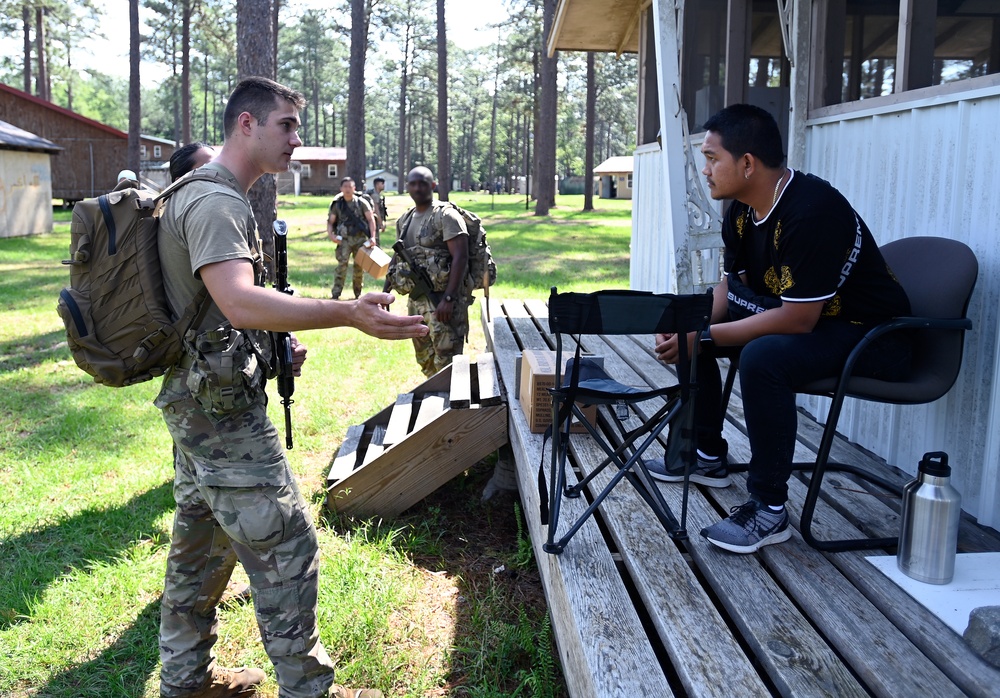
[
  {"x": 28, "y": 352},
  {"x": 119, "y": 671},
  {"x": 502, "y": 644},
  {"x": 35, "y": 558}
]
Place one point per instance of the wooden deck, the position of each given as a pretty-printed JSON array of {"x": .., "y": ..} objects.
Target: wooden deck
[{"x": 638, "y": 614}]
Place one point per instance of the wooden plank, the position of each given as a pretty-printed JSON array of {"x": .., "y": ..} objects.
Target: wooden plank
[
  {"x": 942, "y": 646},
  {"x": 432, "y": 405},
  {"x": 794, "y": 655},
  {"x": 347, "y": 455},
  {"x": 460, "y": 396},
  {"x": 887, "y": 662},
  {"x": 707, "y": 658},
  {"x": 490, "y": 312},
  {"x": 489, "y": 386},
  {"x": 399, "y": 420},
  {"x": 375, "y": 445},
  {"x": 602, "y": 644},
  {"x": 421, "y": 463}
]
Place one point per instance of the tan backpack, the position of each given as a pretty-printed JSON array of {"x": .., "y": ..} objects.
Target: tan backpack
[{"x": 118, "y": 323}]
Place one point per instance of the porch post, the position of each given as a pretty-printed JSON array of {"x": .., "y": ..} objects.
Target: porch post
[{"x": 675, "y": 223}]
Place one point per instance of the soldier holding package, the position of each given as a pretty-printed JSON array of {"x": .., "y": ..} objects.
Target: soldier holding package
[{"x": 350, "y": 224}]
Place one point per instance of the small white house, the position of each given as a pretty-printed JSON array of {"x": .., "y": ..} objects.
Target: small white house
[
  {"x": 25, "y": 182},
  {"x": 391, "y": 179},
  {"x": 616, "y": 177}
]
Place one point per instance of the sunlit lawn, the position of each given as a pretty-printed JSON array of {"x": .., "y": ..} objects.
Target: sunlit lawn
[{"x": 85, "y": 484}]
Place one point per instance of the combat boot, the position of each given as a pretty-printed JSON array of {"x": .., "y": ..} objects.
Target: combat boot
[
  {"x": 342, "y": 692},
  {"x": 232, "y": 683}
]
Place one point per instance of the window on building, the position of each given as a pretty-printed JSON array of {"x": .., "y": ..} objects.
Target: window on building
[
  {"x": 870, "y": 49},
  {"x": 703, "y": 63},
  {"x": 306, "y": 171},
  {"x": 157, "y": 151},
  {"x": 629, "y": 179},
  {"x": 331, "y": 171},
  {"x": 142, "y": 152}
]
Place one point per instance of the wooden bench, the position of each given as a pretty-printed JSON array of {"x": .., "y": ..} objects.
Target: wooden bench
[{"x": 636, "y": 613}]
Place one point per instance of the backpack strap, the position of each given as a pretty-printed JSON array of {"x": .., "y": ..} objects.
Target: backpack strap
[{"x": 109, "y": 223}]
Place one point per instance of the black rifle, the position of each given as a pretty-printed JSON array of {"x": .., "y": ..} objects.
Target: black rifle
[
  {"x": 422, "y": 286},
  {"x": 283, "y": 340}
]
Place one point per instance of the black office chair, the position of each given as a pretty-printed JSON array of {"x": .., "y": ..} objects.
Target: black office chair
[
  {"x": 587, "y": 383},
  {"x": 938, "y": 275}
]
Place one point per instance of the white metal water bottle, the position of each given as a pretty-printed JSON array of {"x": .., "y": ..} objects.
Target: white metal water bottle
[{"x": 928, "y": 539}]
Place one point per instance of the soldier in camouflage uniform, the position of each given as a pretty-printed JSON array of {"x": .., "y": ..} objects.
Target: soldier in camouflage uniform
[
  {"x": 378, "y": 202},
  {"x": 437, "y": 239},
  {"x": 350, "y": 224},
  {"x": 236, "y": 496}
]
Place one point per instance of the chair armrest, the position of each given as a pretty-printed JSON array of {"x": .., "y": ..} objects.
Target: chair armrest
[{"x": 899, "y": 323}]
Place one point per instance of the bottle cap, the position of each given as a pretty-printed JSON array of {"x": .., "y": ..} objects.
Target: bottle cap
[{"x": 935, "y": 464}]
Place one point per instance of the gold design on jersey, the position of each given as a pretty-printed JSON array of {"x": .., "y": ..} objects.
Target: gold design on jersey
[
  {"x": 778, "y": 283},
  {"x": 777, "y": 234},
  {"x": 832, "y": 306}
]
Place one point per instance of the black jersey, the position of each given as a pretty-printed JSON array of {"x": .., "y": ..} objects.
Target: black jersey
[{"x": 813, "y": 246}]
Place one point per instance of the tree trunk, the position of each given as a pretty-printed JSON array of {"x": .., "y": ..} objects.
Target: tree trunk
[
  {"x": 356, "y": 92},
  {"x": 186, "y": 71},
  {"x": 470, "y": 141},
  {"x": 444, "y": 151},
  {"x": 175, "y": 91},
  {"x": 42, "y": 78},
  {"x": 493, "y": 124},
  {"x": 255, "y": 56},
  {"x": 402, "y": 104},
  {"x": 134, "y": 96},
  {"x": 26, "y": 20},
  {"x": 545, "y": 137},
  {"x": 588, "y": 168}
]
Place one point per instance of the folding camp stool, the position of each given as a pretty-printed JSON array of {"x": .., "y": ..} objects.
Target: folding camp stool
[{"x": 619, "y": 312}]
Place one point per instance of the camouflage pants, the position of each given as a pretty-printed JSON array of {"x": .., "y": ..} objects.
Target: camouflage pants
[
  {"x": 237, "y": 498},
  {"x": 345, "y": 250},
  {"x": 444, "y": 340}
]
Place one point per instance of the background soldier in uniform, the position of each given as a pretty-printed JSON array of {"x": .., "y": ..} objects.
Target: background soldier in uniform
[
  {"x": 437, "y": 239},
  {"x": 236, "y": 496},
  {"x": 350, "y": 224},
  {"x": 378, "y": 204}
]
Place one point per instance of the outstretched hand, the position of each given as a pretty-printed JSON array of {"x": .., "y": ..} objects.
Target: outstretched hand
[{"x": 372, "y": 317}]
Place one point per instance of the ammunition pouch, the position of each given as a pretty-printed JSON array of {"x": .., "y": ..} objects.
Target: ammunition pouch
[{"x": 224, "y": 372}]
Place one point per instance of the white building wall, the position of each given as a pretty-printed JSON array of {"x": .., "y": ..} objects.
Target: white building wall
[
  {"x": 929, "y": 168},
  {"x": 652, "y": 259},
  {"x": 25, "y": 193}
]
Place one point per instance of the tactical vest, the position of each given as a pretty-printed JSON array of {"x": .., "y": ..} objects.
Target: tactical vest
[{"x": 430, "y": 252}]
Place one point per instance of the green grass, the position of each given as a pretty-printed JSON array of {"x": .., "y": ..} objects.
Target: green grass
[{"x": 86, "y": 502}]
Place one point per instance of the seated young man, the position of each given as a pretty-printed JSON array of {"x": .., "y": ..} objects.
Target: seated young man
[{"x": 804, "y": 281}]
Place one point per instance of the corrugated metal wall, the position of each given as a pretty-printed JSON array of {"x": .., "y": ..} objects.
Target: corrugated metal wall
[{"x": 930, "y": 168}]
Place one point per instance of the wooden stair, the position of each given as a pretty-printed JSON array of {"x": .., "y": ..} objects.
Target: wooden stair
[{"x": 449, "y": 422}]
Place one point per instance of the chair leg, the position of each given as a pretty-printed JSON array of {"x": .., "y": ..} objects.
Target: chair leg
[
  {"x": 819, "y": 469},
  {"x": 642, "y": 483}
]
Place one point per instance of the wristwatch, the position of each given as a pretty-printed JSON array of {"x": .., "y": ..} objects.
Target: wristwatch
[
  {"x": 706, "y": 336},
  {"x": 449, "y": 298}
]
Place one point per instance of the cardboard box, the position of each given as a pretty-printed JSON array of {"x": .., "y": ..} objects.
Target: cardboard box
[
  {"x": 374, "y": 261},
  {"x": 538, "y": 374}
]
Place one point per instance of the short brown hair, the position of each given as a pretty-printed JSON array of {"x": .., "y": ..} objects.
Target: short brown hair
[{"x": 258, "y": 96}]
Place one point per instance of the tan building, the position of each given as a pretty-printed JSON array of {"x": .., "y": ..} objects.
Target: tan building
[
  {"x": 314, "y": 170},
  {"x": 615, "y": 175},
  {"x": 25, "y": 182}
]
